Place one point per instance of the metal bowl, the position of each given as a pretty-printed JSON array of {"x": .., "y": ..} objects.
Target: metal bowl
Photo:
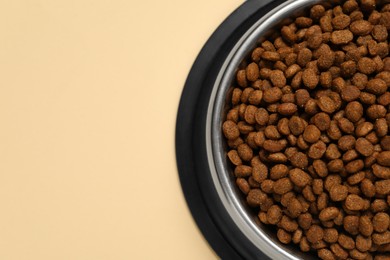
[
  {"x": 223, "y": 178},
  {"x": 206, "y": 176}
]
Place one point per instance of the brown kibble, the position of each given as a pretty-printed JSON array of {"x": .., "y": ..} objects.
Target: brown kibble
[
  {"x": 364, "y": 147},
  {"x": 376, "y": 111},
  {"x": 320, "y": 168},
  {"x": 331, "y": 235},
  {"x": 381, "y": 127},
  {"x": 274, "y": 214},
  {"x": 230, "y": 130},
  {"x": 326, "y": 104},
  {"x": 363, "y": 244},
  {"x": 317, "y": 11},
  {"x": 384, "y": 158},
  {"x": 261, "y": 116},
  {"x": 348, "y": 68},
  {"x": 346, "y": 126},
  {"x": 332, "y": 152},
  {"x": 283, "y": 186},
  {"x": 361, "y": 27},
  {"x": 351, "y": 224},
  {"x": 363, "y": 129},
  {"x": 329, "y": 213},
  {"x": 271, "y": 56},
  {"x": 350, "y": 93},
  {"x": 338, "y": 192},
  {"x": 365, "y": 226},
  {"x": 299, "y": 177},
  {"x": 303, "y": 22},
  {"x": 245, "y": 152},
  {"x": 354, "y": 111},
  {"x": 311, "y": 134},
  {"x": 321, "y": 121},
  {"x": 304, "y": 56},
  {"x": 294, "y": 208},
  {"x": 288, "y": 34},
  {"x": 376, "y": 86},
  {"x": 379, "y": 33},
  {"x": 382, "y": 238},
  {"x": 382, "y": 187},
  {"x": 288, "y": 224},
  {"x": 341, "y": 37},
  {"x": 299, "y": 160},
  {"x": 346, "y": 142},
  {"x": 296, "y": 125},
  {"x": 278, "y": 79},
  {"x": 341, "y": 22},
  {"x": 310, "y": 78},
  {"x": 234, "y": 157},
  {"x": 354, "y": 166},
  {"x": 354, "y": 202},
  {"x": 283, "y": 236},
  {"x": 339, "y": 251},
  {"x": 314, "y": 234},
  {"x": 272, "y": 95},
  {"x": 252, "y": 72},
  {"x": 242, "y": 171},
  {"x": 317, "y": 150},
  {"x": 287, "y": 109},
  {"x": 346, "y": 242},
  {"x": 366, "y": 65},
  {"x": 356, "y": 178},
  {"x": 302, "y": 96},
  {"x": 243, "y": 185},
  {"x": 381, "y": 222}
]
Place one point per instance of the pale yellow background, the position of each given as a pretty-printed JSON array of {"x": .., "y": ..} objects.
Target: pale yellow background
[{"x": 89, "y": 91}]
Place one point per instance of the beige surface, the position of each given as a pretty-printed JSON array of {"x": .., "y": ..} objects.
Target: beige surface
[{"x": 88, "y": 97}]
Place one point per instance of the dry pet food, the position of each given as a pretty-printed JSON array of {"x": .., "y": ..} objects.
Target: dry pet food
[{"x": 308, "y": 131}]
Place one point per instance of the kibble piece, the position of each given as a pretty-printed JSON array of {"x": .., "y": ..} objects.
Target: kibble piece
[
  {"x": 384, "y": 158},
  {"x": 351, "y": 224},
  {"x": 321, "y": 121},
  {"x": 382, "y": 187},
  {"x": 299, "y": 160},
  {"x": 376, "y": 86},
  {"x": 361, "y": 27},
  {"x": 311, "y": 134},
  {"x": 261, "y": 116},
  {"x": 230, "y": 130},
  {"x": 354, "y": 202},
  {"x": 329, "y": 213},
  {"x": 338, "y": 192},
  {"x": 341, "y": 37},
  {"x": 234, "y": 157},
  {"x": 341, "y": 22},
  {"x": 283, "y": 236},
  {"x": 350, "y": 93},
  {"x": 272, "y": 95},
  {"x": 339, "y": 251},
  {"x": 252, "y": 72},
  {"x": 288, "y": 224},
  {"x": 317, "y": 150},
  {"x": 365, "y": 226},
  {"x": 381, "y": 238},
  {"x": 354, "y": 111},
  {"x": 381, "y": 222},
  {"x": 310, "y": 78},
  {"x": 287, "y": 109},
  {"x": 363, "y": 244},
  {"x": 326, "y": 104},
  {"x": 299, "y": 177},
  {"x": 314, "y": 234},
  {"x": 274, "y": 214},
  {"x": 366, "y": 65},
  {"x": 364, "y": 147},
  {"x": 346, "y": 242}
]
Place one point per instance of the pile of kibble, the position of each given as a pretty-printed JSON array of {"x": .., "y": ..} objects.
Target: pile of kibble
[{"x": 308, "y": 131}]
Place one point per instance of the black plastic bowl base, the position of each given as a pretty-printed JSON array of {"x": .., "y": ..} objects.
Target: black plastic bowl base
[{"x": 206, "y": 207}]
